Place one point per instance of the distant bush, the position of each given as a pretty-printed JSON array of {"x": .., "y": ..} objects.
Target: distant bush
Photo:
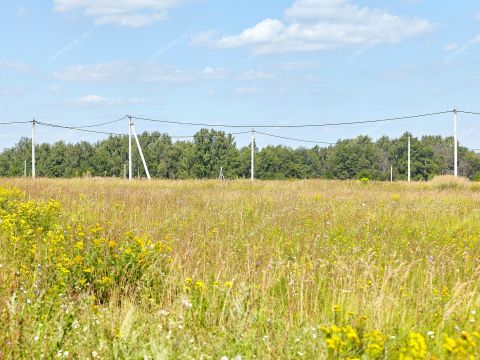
[
  {"x": 364, "y": 180},
  {"x": 445, "y": 182}
]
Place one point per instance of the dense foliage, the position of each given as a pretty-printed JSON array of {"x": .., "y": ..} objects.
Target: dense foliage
[{"x": 210, "y": 150}]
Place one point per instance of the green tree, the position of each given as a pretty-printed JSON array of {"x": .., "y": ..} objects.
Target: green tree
[{"x": 213, "y": 150}]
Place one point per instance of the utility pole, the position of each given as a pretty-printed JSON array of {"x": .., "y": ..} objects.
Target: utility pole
[
  {"x": 455, "y": 139},
  {"x": 130, "y": 170},
  {"x": 33, "y": 148},
  {"x": 409, "y": 160},
  {"x": 141, "y": 153},
  {"x": 391, "y": 173},
  {"x": 252, "y": 169},
  {"x": 25, "y": 169}
]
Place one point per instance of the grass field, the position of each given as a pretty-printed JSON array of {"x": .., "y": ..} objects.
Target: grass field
[{"x": 103, "y": 269}]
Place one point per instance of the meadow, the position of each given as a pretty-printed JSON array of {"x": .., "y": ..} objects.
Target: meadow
[{"x": 102, "y": 269}]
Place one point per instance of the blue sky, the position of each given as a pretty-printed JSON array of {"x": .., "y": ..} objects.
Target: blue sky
[{"x": 78, "y": 62}]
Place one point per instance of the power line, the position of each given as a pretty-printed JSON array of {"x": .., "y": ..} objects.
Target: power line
[
  {"x": 294, "y": 126},
  {"x": 81, "y": 128},
  {"x": 294, "y": 139},
  {"x": 255, "y": 126},
  {"x": 101, "y": 124},
  {"x": 15, "y": 122},
  {"x": 87, "y": 128},
  {"x": 192, "y": 136},
  {"x": 78, "y": 129},
  {"x": 468, "y": 112}
]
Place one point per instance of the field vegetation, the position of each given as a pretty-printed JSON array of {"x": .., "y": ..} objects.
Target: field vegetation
[{"x": 100, "y": 269}]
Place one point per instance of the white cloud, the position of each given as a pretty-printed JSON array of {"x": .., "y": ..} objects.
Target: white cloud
[
  {"x": 203, "y": 39},
  {"x": 295, "y": 66},
  {"x": 313, "y": 25},
  {"x": 399, "y": 74},
  {"x": 132, "y": 13},
  {"x": 215, "y": 73},
  {"x": 246, "y": 90},
  {"x": 460, "y": 50},
  {"x": 255, "y": 75},
  {"x": 56, "y": 89},
  {"x": 12, "y": 91},
  {"x": 119, "y": 72},
  {"x": 450, "y": 47},
  {"x": 212, "y": 73},
  {"x": 103, "y": 101},
  {"x": 313, "y": 78},
  {"x": 122, "y": 72},
  {"x": 263, "y": 32},
  {"x": 14, "y": 65}
]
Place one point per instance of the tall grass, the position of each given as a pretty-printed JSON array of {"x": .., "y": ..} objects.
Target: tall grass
[{"x": 307, "y": 269}]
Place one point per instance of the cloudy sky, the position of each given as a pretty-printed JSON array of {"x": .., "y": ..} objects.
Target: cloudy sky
[{"x": 79, "y": 62}]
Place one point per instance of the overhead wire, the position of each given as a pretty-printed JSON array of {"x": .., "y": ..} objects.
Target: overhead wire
[
  {"x": 192, "y": 136},
  {"x": 468, "y": 112},
  {"x": 294, "y": 126},
  {"x": 77, "y": 129},
  {"x": 295, "y": 139},
  {"x": 81, "y": 128},
  {"x": 102, "y": 124},
  {"x": 257, "y": 125},
  {"x": 87, "y": 128},
  {"x": 15, "y": 122}
]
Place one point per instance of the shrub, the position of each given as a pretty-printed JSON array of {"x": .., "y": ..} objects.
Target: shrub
[{"x": 446, "y": 182}]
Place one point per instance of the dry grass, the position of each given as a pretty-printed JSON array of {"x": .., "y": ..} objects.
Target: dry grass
[
  {"x": 449, "y": 182},
  {"x": 264, "y": 270}
]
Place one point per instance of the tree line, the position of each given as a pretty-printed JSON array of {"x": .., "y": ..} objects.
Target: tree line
[{"x": 211, "y": 150}]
